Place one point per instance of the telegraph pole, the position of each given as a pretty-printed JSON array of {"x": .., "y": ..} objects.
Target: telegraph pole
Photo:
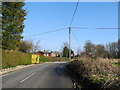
[{"x": 70, "y": 43}]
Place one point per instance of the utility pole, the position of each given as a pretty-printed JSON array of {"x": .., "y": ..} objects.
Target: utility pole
[{"x": 70, "y": 43}]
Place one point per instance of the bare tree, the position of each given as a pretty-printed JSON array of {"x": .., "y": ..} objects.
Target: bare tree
[
  {"x": 89, "y": 48},
  {"x": 78, "y": 51},
  {"x": 112, "y": 49},
  {"x": 36, "y": 46},
  {"x": 99, "y": 50},
  {"x": 118, "y": 48},
  {"x": 25, "y": 46}
]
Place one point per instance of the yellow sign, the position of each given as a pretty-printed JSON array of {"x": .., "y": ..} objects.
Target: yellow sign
[{"x": 35, "y": 59}]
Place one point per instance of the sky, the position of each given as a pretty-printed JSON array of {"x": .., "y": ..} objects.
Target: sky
[
  {"x": 46, "y": 16},
  {"x": 70, "y": 0}
]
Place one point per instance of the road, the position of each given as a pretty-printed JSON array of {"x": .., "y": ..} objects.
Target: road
[{"x": 47, "y": 75}]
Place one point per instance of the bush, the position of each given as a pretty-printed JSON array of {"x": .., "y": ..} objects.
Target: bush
[
  {"x": 52, "y": 59},
  {"x": 101, "y": 71},
  {"x": 14, "y": 58},
  {"x": 45, "y": 59}
]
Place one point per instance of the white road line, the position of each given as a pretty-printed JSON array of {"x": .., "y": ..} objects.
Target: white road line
[{"x": 27, "y": 77}]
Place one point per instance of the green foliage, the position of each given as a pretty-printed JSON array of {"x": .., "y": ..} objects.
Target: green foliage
[
  {"x": 14, "y": 58},
  {"x": 13, "y": 16},
  {"x": 0, "y": 58},
  {"x": 52, "y": 59},
  {"x": 66, "y": 52},
  {"x": 117, "y": 64},
  {"x": 45, "y": 59},
  {"x": 0, "y": 7}
]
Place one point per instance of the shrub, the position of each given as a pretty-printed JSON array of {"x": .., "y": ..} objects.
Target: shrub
[
  {"x": 45, "y": 59},
  {"x": 101, "y": 71},
  {"x": 14, "y": 58},
  {"x": 52, "y": 59}
]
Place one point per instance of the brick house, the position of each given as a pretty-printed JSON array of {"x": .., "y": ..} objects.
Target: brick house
[{"x": 46, "y": 53}]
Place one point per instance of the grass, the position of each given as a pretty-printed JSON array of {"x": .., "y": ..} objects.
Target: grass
[{"x": 117, "y": 64}]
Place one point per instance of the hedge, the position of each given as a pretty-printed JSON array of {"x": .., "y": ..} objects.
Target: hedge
[
  {"x": 45, "y": 59},
  {"x": 14, "y": 58}
]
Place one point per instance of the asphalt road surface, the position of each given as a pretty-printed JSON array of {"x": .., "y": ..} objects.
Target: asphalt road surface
[{"x": 47, "y": 75}]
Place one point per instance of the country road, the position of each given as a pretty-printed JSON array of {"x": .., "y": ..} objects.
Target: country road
[{"x": 47, "y": 75}]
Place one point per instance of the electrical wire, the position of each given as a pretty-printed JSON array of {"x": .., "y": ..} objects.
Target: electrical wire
[
  {"x": 75, "y": 38},
  {"x": 93, "y": 28},
  {"x": 107, "y": 28},
  {"x": 80, "y": 27},
  {"x": 74, "y": 13},
  {"x": 46, "y": 32}
]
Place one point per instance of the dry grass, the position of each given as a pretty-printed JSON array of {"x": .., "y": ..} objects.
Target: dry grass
[{"x": 98, "y": 71}]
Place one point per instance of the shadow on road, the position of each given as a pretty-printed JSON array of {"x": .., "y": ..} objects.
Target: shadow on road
[{"x": 61, "y": 70}]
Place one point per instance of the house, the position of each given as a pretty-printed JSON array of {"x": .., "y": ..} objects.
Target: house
[
  {"x": 53, "y": 54},
  {"x": 40, "y": 53},
  {"x": 48, "y": 53}
]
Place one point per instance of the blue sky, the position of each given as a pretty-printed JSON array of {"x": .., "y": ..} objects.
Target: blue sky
[{"x": 47, "y": 16}]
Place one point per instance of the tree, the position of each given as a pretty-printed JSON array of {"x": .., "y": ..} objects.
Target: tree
[
  {"x": 89, "y": 48},
  {"x": 0, "y": 25},
  {"x": 94, "y": 50},
  {"x": 26, "y": 46},
  {"x": 100, "y": 50},
  {"x": 13, "y": 16},
  {"x": 112, "y": 49},
  {"x": 36, "y": 46},
  {"x": 78, "y": 51},
  {"x": 118, "y": 48},
  {"x": 65, "y": 51}
]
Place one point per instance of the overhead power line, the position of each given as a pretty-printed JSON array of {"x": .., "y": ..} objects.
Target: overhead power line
[
  {"x": 75, "y": 38},
  {"x": 92, "y": 28},
  {"x": 70, "y": 30},
  {"x": 46, "y": 32},
  {"x": 74, "y": 13},
  {"x": 80, "y": 27},
  {"x": 107, "y": 28}
]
